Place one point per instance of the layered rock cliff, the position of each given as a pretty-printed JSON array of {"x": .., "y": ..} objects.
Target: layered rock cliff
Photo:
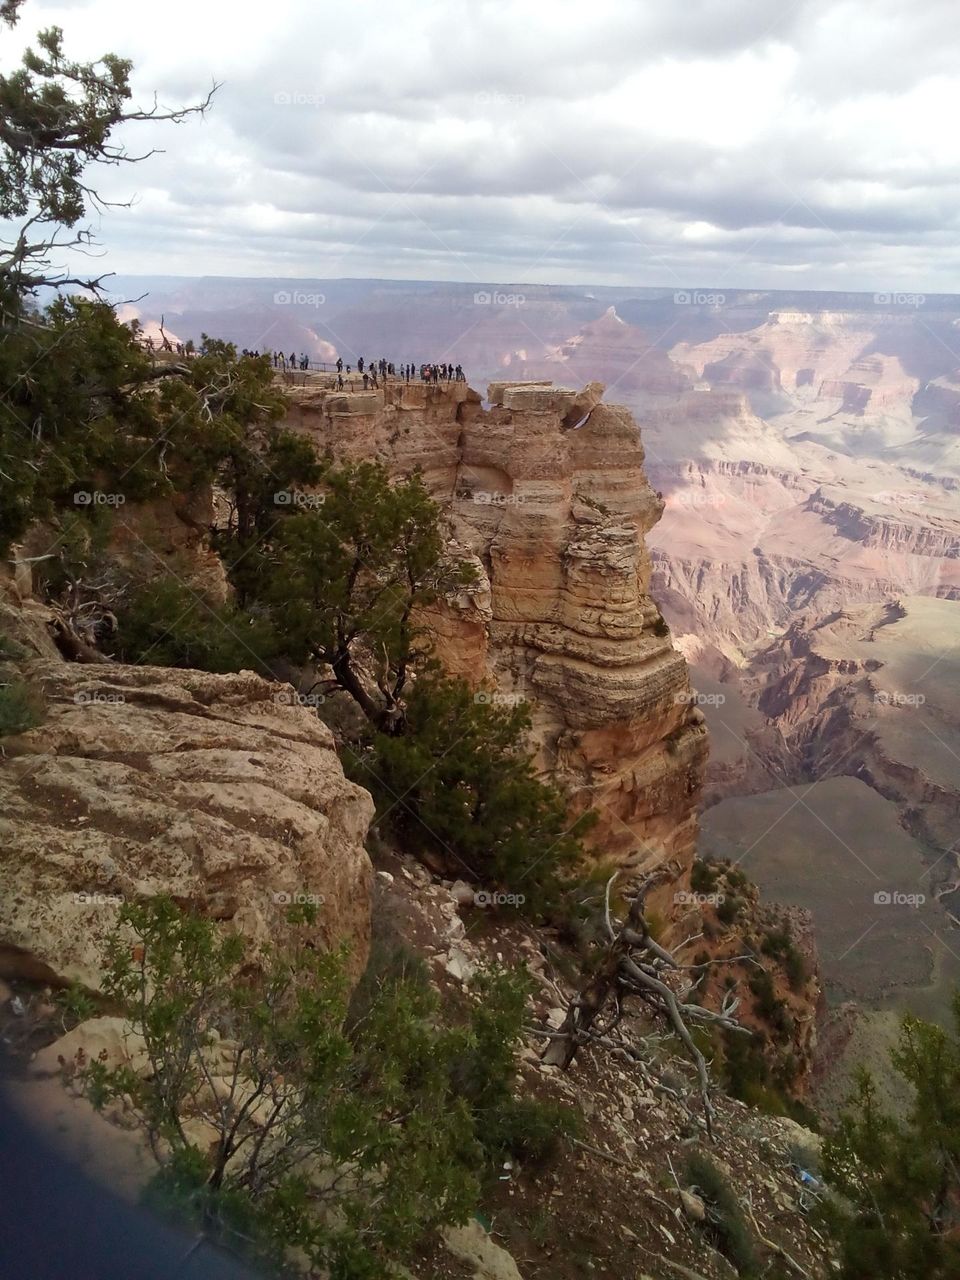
[
  {"x": 545, "y": 488},
  {"x": 215, "y": 789},
  {"x": 871, "y": 691}
]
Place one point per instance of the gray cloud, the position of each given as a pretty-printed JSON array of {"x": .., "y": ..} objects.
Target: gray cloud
[{"x": 754, "y": 142}]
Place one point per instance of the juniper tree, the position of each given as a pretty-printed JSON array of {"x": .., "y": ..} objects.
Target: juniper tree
[
  {"x": 279, "y": 1122},
  {"x": 58, "y": 118},
  {"x": 347, "y": 580},
  {"x": 898, "y": 1177}
]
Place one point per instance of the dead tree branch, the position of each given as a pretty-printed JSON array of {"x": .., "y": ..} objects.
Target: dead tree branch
[{"x": 631, "y": 963}]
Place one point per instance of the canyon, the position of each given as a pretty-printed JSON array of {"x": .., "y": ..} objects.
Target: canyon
[
  {"x": 544, "y": 490},
  {"x": 805, "y": 448},
  {"x": 717, "y": 557}
]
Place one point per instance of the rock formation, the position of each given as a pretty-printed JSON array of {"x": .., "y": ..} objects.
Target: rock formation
[
  {"x": 871, "y": 691},
  {"x": 546, "y": 490},
  {"x": 217, "y": 790},
  {"x": 623, "y": 355}
]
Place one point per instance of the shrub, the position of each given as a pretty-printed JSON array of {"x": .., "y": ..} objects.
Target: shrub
[
  {"x": 483, "y": 1076},
  {"x": 276, "y": 1122},
  {"x": 768, "y": 1004},
  {"x": 703, "y": 876},
  {"x": 169, "y": 624},
  {"x": 460, "y": 784},
  {"x": 898, "y": 1177},
  {"x": 779, "y": 944},
  {"x": 347, "y": 583},
  {"x": 746, "y": 1074},
  {"x": 727, "y": 1225},
  {"x": 729, "y": 909},
  {"x": 21, "y": 706}
]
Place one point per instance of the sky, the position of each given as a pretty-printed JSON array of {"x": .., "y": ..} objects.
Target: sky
[{"x": 722, "y": 143}]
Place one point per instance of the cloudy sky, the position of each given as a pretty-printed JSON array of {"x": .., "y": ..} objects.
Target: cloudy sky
[{"x": 746, "y": 143}]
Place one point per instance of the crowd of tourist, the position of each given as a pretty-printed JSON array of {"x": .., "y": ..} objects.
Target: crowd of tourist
[{"x": 373, "y": 372}]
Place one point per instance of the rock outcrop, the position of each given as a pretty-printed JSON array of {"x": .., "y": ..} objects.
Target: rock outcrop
[
  {"x": 871, "y": 691},
  {"x": 147, "y": 780},
  {"x": 546, "y": 490}
]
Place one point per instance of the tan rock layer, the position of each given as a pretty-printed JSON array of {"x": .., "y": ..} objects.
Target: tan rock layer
[
  {"x": 145, "y": 780},
  {"x": 546, "y": 489}
]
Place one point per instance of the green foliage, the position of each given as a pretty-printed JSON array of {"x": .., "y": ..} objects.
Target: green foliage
[
  {"x": 91, "y": 422},
  {"x": 21, "y": 706},
  {"x": 348, "y": 575},
  {"x": 47, "y": 100},
  {"x": 768, "y": 1004},
  {"x": 57, "y": 116},
  {"x": 168, "y": 624},
  {"x": 726, "y": 1223},
  {"x": 390, "y": 961},
  {"x": 264, "y": 475},
  {"x": 10, "y": 651},
  {"x": 735, "y": 878},
  {"x": 483, "y": 1075},
  {"x": 277, "y": 1120},
  {"x": 898, "y": 1179},
  {"x": 460, "y": 784},
  {"x": 703, "y": 876},
  {"x": 779, "y": 944},
  {"x": 747, "y": 1072},
  {"x": 76, "y": 1004},
  {"x": 729, "y": 909}
]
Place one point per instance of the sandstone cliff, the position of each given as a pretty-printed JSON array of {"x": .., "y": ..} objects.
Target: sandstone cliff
[
  {"x": 546, "y": 489},
  {"x": 146, "y": 780}
]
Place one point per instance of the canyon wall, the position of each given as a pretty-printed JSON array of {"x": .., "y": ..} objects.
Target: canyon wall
[
  {"x": 544, "y": 487},
  {"x": 871, "y": 691}
]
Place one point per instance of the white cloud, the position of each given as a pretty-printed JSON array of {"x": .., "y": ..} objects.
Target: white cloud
[{"x": 624, "y": 141}]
